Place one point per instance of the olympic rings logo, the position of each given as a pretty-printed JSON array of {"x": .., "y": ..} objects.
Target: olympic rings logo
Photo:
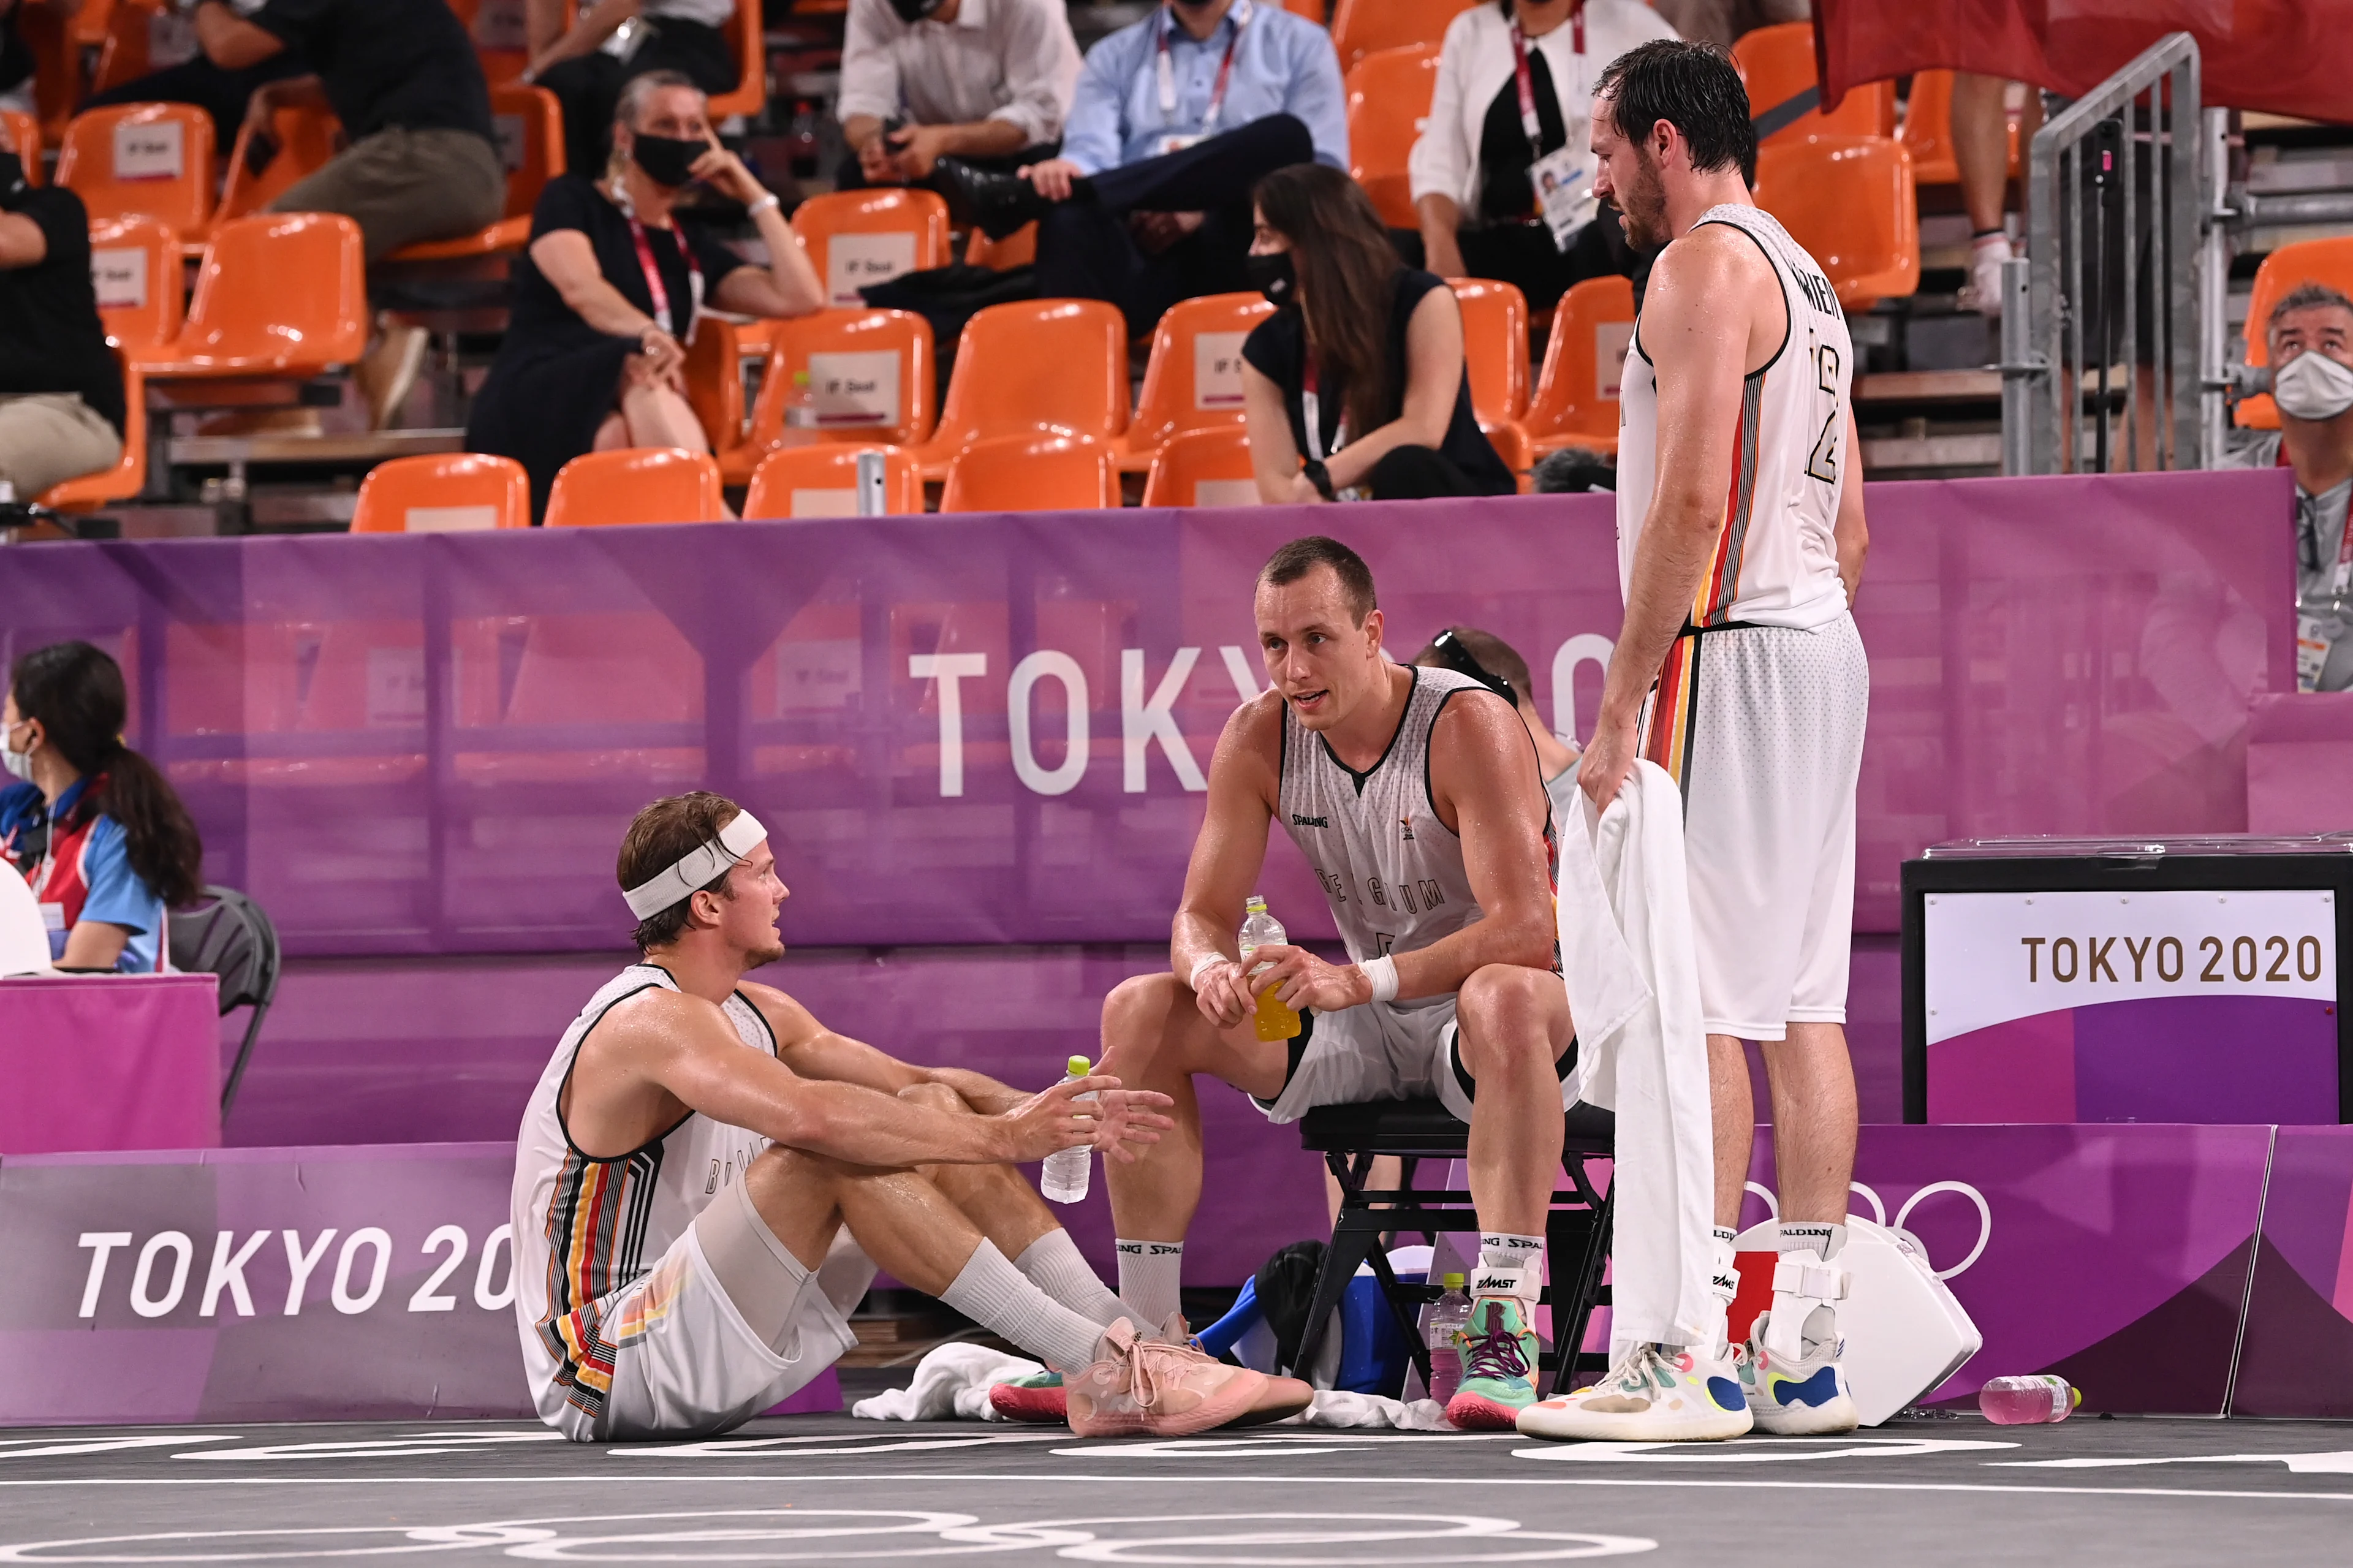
[{"x": 1879, "y": 1216}]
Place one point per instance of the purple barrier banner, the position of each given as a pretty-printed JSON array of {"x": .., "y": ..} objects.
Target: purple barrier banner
[
  {"x": 264, "y": 1285},
  {"x": 2117, "y": 1257},
  {"x": 993, "y": 729},
  {"x": 2299, "y": 755},
  {"x": 2297, "y": 1359},
  {"x": 110, "y": 1061}
]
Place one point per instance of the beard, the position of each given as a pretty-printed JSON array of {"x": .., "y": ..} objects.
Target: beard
[
  {"x": 766, "y": 952},
  {"x": 1642, "y": 205}
]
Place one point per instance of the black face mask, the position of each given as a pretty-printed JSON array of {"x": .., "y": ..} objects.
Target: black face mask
[
  {"x": 1273, "y": 276},
  {"x": 913, "y": 11},
  {"x": 666, "y": 159}
]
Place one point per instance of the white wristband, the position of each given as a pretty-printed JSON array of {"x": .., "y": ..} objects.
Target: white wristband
[
  {"x": 1382, "y": 972},
  {"x": 1201, "y": 964},
  {"x": 764, "y": 204}
]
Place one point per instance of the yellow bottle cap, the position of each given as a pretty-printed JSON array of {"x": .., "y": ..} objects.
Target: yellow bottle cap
[
  {"x": 2077, "y": 1395},
  {"x": 1452, "y": 1281},
  {"x": 1078, "y": 1067}
]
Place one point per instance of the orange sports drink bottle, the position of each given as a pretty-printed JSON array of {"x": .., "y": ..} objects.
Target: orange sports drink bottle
[{"x": 1259, "y": 929}]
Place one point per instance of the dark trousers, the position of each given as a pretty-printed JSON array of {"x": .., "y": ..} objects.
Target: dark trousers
[
  {"x": 850, "y": 176},
  {"x": 1085, "y": 250},
  {"x": 221, "y": 93},
  {"x": 1419, "y": 473},
  {"x": 589, "y": 86},
  {"x": 1524, "y": 255}
]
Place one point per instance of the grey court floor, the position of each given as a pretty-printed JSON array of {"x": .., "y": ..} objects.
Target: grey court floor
[{"x": 830, "y": 1489}]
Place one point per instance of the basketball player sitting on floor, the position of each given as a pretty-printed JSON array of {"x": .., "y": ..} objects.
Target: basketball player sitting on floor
[{"x": 705, "y": 1171}]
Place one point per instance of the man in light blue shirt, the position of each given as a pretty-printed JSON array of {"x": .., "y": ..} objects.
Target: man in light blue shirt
[{"x": 1175, "y": 119}]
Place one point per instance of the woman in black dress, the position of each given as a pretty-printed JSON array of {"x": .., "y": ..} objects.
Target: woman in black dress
[
  {"x": 606, "y": 297},
  {"x": 1355, "y": 387}
]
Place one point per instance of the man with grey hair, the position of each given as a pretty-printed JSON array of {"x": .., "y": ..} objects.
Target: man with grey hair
[{"x": 2309, "y": 339}]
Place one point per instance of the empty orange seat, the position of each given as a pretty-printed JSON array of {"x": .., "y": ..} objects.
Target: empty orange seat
[
  {"x": 1018, "y": 249},
  {"x": 1208, "y": 467},
  {"x": 133, "y": 30},
  {"x": 2329, "y": 261},
  {"x": 747, "y": 39},
  {"x": 25, "y": 136},
  {"x": 1036, "y": 366},
  {"x": 1359, "y": 27},
  {"x": 822, "y": 481},
  {"x": 1194, "y": 379},
  {"x": 278, "y": 294},
  {"x": 1494, "y": 347},
  {"x": 129, "y": 475},
  {"x": 635, "y": 484},
  {"x": 154, "y": 160},
  {"x": 1928, "y": 131},
  {"x": 871, "y": 374},
  {"x": 1849, "y": 201},
  {"x": 1030, "y": 473},
  {"x": 135, "y": 269},
  {"x": 1778, "y": 65},
  {"x": 529, "y": 125},
  {"x": 1576, "y": 400},
  {"x": 859, "y": 239},
  {"x": 443, "y": 492},
  {"x": 1389, "y": 104}
]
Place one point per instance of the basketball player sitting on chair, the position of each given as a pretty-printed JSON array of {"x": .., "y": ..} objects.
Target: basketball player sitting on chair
[
  {"x": 705, "y": 1171},
  {"x": 1414, "y": 793}
]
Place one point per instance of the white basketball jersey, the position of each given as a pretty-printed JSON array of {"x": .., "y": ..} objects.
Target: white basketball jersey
[
  {"x": 1775, "y": 559},
  {"x": 585, "y": 1227},
  {"x": 1391, "y": 870}
]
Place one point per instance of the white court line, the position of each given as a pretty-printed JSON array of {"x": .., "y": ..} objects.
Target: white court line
[{"x": 933, "y": 1478}]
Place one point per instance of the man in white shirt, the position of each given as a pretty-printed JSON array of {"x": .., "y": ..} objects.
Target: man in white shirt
[{"x": 988, "y": 81}]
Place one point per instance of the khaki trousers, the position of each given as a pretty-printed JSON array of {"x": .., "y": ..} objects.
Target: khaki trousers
[
  {"x": 406, "y": 186},
  {"x": 48, "y": 437}
]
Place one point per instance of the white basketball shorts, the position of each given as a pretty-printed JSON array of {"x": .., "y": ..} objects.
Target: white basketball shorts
[{"x": 1381, "y": 1050}]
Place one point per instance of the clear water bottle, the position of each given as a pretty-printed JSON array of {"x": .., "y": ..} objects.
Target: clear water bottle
[
  {"x": 1259, "y": 929},
  {"x": 800, "y": 412},
  {"x": 2038, "y": 1400},
  {"x": 1063, "y": 1178},
  {"x": 1450, "y": 1314}
]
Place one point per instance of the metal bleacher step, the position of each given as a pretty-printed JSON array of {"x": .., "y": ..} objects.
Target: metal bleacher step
[{"x": 358, "y": 449}]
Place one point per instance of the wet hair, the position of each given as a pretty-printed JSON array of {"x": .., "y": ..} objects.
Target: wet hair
[
  {"x": 2305, "y": 296},
  {"x": 1694, "y": 88},
  {"x": 660, "y": 836},
  {"x": 77, "y": 693},
  {"x": 1348, "y": 273},
  {"x": 1497, "y": 657},
  {"x": 1301, "y": 556}
]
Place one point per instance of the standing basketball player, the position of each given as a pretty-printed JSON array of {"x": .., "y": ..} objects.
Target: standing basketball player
[{"x": 1740, "y": 541}]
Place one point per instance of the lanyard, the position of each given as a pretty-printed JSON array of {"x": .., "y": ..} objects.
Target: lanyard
[
  {"x": 1240, "y": 18},
  {"x": 1311, "y": 411},
  {"x": 1526, "y": 83},
  {"x": 654, "y": 289}
]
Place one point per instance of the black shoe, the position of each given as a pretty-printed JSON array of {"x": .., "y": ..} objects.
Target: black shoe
[{"x": 1000, "y": 204}]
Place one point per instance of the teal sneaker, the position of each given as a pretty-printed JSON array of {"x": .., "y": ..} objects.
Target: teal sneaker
[
  {"x": 1499, "y": 1367},
  {"x": 1655, "y": 1393}
]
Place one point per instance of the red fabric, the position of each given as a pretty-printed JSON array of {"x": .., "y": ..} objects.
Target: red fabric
[{"x": 2289, "y": 57}]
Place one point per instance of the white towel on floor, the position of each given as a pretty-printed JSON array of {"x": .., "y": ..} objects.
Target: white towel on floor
[
  {"x": 1331, "y": 1407},
  {"x": 952, "y": 1384},
  {"x": 1627, "y": 954}
]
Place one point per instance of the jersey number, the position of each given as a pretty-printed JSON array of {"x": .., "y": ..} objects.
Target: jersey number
[{"x": 1821, "y": 463}]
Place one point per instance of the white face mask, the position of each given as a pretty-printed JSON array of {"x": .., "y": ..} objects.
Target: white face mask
[
  {"x": 19, "y": 763},
  {"x": 2313, "y": 386}
]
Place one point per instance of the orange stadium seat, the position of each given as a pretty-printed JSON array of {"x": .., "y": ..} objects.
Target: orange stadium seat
[
  {"x": 1018, "y": 249},
  {"x": 279, "y": 294},
  {"x": 2329, "y": 261},
  {"x": 500, "y": 29},
  {"x": 52, "y": 38},
  {"x": 1576, "y": 400},
  {"x": 306, "y": 139},
  {"x": 1778, "y": 65},
  {"x": 715, "y": 358},
  {"x": 529, "y": 125},
  {"x": 134, "y": 30},
  {"x": 1208, "y": 467},
  {"x": 151, "y": 159},
  {"x": 25, "y": 135},
  {"x": 443, "y": 492},
  {"x": 1849, "y": 201},
  {"x": 856, "y": 238},
  {"x": 870, "y": 371},
  {"x": 747, "y": 36},
  {"x": 1361, "y": 27},
  {"x": 1194, "y": 378},
  {"x": 1389, "y": 104},
  {"x": 129, "y": 475},
  {"x": 1513, "y": 445},
  {"x": 1035, "y": 472},
  {"x": 635, "y": 484},
  {"x": 1035, "y": 366},
  {"x": 1927, "y": 131},
  {"x": 135, "y": 267},
  {"x": 822, "y": 481},
  {"x": 1494, "y": 347}
]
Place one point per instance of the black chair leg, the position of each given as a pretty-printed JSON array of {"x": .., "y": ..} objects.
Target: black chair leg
[
  {"x": 244, "y": 1055},
  {"x": 1575, "y": 1294},
  {"x": 1355, "y": 1236}
]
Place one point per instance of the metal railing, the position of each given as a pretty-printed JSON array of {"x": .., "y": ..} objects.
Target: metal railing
[{"x": 2122, "y": 245}]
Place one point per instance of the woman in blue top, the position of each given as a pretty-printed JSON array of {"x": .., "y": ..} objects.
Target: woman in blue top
[{"x": 96, "y": 831}]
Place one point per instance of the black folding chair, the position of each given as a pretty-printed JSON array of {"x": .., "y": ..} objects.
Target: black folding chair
[
  {"x": 1577, "y": 1229},
  {"x": 231, "y": 938}
]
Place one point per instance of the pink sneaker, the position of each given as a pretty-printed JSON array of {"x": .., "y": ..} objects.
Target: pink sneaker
[{"x": 1151, "y": 1388}]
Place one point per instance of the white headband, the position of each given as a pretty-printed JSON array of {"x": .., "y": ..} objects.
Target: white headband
[{"x": 697, "y": 866}]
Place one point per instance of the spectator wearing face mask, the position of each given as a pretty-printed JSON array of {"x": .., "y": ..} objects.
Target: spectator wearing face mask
[
  {"x": 2309, "y": 339},
  {"x": 586, "y": 58},
  {"x": 606, "y": 297},
  {"x": 61, "y": 403},
  {"x": 986, "y": 81}
]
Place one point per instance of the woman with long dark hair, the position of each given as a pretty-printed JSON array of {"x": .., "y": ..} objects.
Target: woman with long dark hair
[
  {"x": 1355, "y": 387},
  {"x": 95, "y": 829}
]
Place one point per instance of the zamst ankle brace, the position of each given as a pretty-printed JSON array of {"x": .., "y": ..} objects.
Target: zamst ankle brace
[{"x": 697, "y": 866}]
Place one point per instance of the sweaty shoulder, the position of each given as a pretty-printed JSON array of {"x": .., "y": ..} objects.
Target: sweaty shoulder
[
  {"x": 789, "y": 1021},
  {"x": 1251, "y": 749},
  {"x": 1716, "y": 277},
  {"x": 650, "y": 1019}
]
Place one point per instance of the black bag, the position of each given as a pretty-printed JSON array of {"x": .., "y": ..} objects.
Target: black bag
[{"x": 1286, "y": 1289}]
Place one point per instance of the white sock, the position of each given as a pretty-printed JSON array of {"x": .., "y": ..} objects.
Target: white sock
[
  {"x": 1052, "y": 1264},
  {"x": 1510, "y": 1266},
  {"x": 1724, "y": 1283},
  {"x": 1821, "y": 1239},
  {"x": 992, "y": 1292},
  {"x": 1151, "y": 1276}
]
